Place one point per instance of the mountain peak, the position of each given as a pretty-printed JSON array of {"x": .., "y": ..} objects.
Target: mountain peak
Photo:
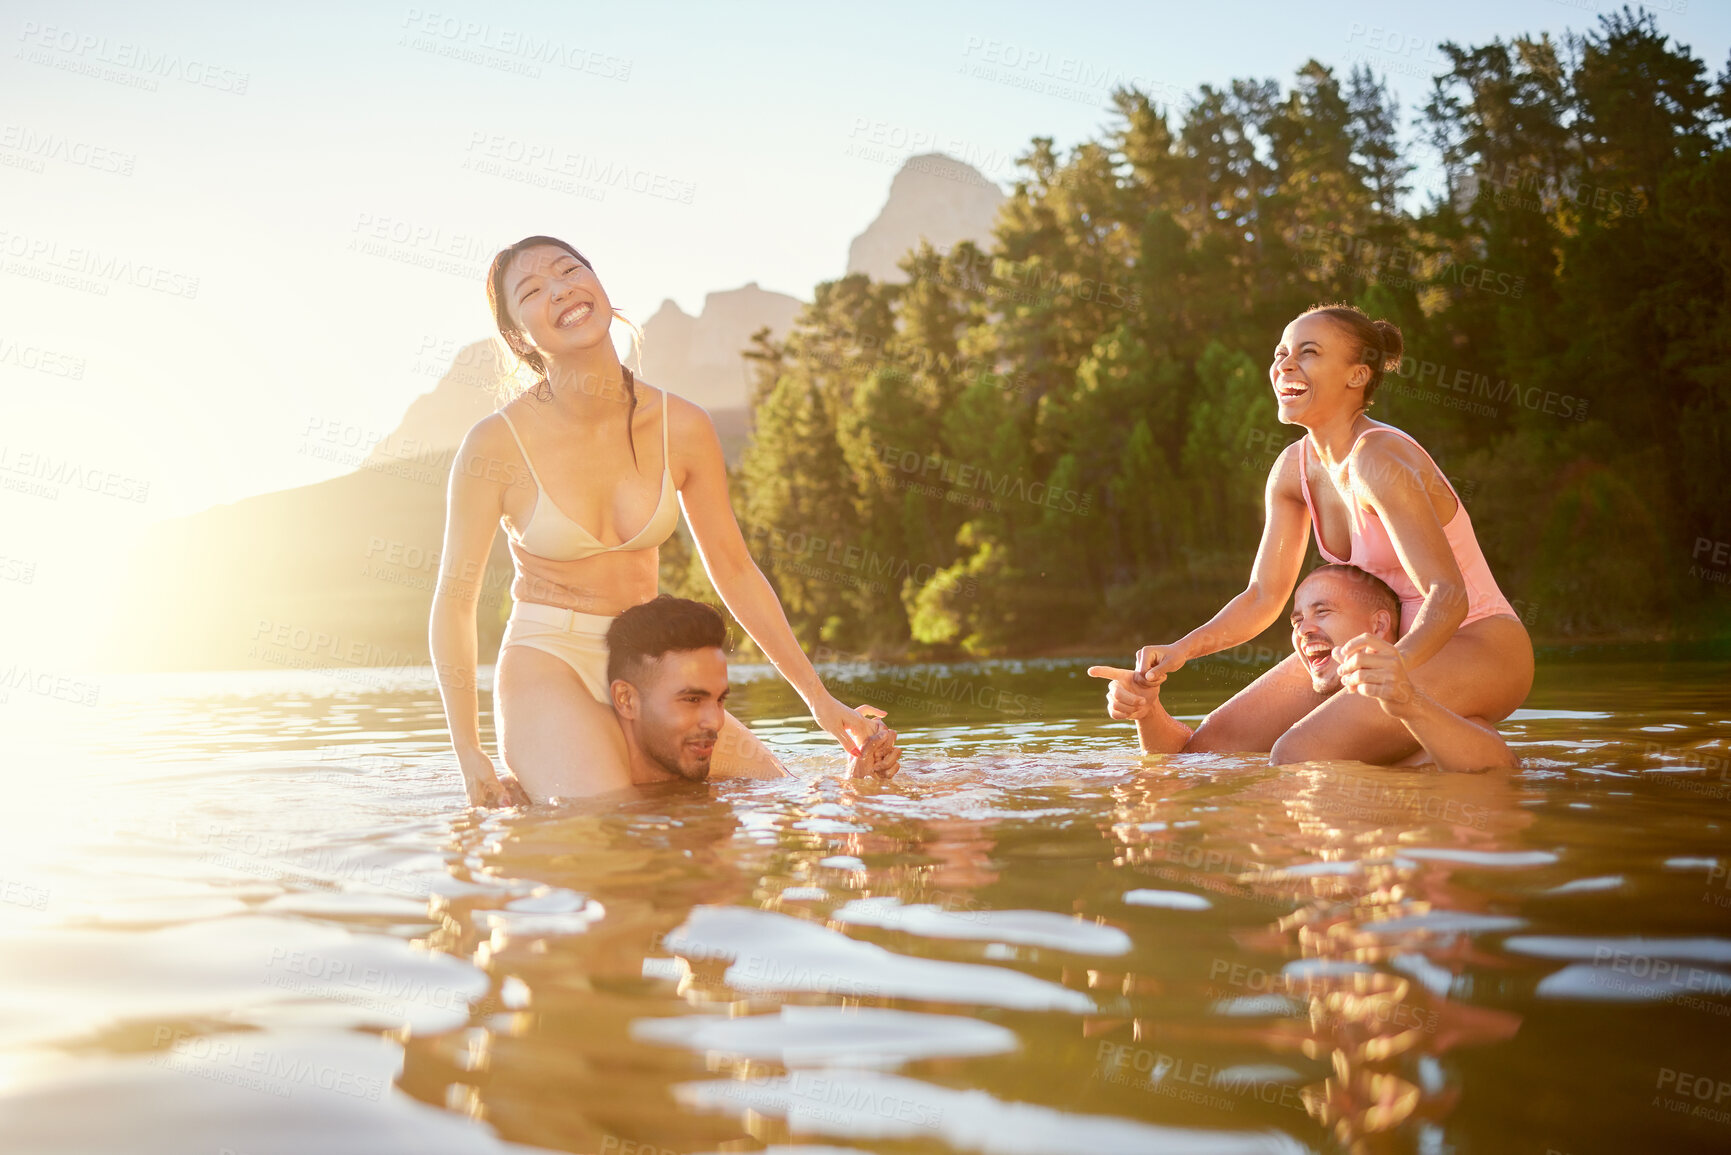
[
  {"x": 469, "y": 388},
  {"x": 934, "y": 197}
]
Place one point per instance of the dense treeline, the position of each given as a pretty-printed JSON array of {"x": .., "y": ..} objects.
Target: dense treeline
[{"x": 1064, "y": 440}]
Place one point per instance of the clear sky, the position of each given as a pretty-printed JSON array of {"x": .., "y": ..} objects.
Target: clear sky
[{"x": 226, "y": 226}]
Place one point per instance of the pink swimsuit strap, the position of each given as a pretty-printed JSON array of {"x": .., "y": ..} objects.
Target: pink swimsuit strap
[{"x": 1358, "y": 512}]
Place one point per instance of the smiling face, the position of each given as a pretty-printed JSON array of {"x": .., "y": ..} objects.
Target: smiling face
[
  {"x": 678, "y": 710},
  {"x": 555, "y": 300},
  {"x": 1318, "y": 369},
  {"x": 1328, "y": 610}
]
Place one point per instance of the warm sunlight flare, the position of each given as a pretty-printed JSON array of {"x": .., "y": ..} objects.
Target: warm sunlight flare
[{"x": 681, "y": 578}]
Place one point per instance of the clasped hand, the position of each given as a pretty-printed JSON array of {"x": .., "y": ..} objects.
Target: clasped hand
[{"x": 1371, "y": 666}]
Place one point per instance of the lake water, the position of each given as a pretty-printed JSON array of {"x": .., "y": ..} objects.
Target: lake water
[{"x": 249, "y": 913}]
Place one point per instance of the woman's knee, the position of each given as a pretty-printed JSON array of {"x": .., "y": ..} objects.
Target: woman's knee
[{"x": 739, "y": 753}]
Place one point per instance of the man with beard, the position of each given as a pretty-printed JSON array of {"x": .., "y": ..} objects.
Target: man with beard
[
  {"x": 667, "y": 677},
  {"x": 1344, "y": 624}
]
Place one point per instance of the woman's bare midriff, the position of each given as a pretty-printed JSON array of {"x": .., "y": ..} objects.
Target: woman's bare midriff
[{"x": 606, "y": 584}]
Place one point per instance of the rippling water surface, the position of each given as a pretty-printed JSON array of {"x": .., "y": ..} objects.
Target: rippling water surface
[{"x": 249, "y": 913}]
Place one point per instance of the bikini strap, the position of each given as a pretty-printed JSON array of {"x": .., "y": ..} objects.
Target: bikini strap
[
  {"x": 521, "y": 449},
  {"x": 666, "y": 420}
]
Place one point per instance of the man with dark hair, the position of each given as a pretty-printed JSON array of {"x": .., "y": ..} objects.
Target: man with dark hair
[
  {"x": 667, "y": 678},
  {"x": 1344, "y": 625}
]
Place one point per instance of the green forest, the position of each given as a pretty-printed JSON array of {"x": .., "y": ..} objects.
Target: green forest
[{"x": 1061, "y": 442}]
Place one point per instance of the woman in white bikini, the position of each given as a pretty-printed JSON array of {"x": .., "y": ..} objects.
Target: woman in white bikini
[{"x": 555, "y": 460}]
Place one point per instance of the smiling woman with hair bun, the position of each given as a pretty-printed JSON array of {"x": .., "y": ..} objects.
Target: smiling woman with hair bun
[
  {"x": 587, "y": 472},
  {"x": 1374, "y": 499}
]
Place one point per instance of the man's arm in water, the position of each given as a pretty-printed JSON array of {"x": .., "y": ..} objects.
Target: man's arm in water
[
  {"x": 1133, "y": 696},
  {"x": 1372, "y": 667}
]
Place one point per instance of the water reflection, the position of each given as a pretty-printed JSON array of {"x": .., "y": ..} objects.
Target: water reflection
[
  {"x": 1032, "y": 942},
  {"x": 851, "y": 986},
  {"x": 1349, "y": 978}
]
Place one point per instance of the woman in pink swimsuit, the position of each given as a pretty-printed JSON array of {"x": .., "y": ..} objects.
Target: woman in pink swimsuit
[
  {"x": 1376, "y": 500},
  {"x": 589, "y": 456}
]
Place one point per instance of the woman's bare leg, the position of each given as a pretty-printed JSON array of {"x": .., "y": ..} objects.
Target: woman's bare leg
[
  {"x": 1485, "y": 670},
  {"x": 553, "y": 735},
  {"x": 741, "y": 754},
  {"x": 1255, "y": 717}
]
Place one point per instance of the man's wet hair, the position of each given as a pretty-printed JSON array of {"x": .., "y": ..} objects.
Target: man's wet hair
[
  {"x": 666, "y": 625},
  {"x": 1367, "y": 589}
]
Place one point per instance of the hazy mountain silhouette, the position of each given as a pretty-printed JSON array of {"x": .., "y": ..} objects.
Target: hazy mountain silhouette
[
  {"x": 701, "y": 357},
  {"x": 935, "y": 198},
  {"x": 341, "y": 573}
]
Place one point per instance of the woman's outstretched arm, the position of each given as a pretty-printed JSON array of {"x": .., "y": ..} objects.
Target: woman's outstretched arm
[
  {"x": 1279, "y": 556},
  {"x": 742, "y": 586},
  {"x": 474, "y": 502}
]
